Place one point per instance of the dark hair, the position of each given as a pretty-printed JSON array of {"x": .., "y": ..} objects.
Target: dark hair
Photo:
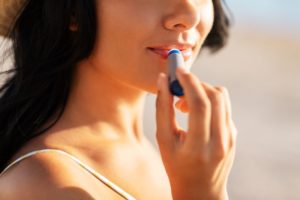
[
  {"x": 218, "y": 36},
  {"x": 45, "y": 56}
]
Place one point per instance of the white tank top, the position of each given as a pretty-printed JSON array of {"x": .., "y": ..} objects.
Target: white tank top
[{"x": 100, "y": 177}]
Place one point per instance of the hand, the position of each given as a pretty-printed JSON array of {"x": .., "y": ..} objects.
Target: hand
[{"x": 197, "y": 161}]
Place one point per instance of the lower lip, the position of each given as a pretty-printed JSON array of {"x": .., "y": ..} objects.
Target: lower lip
[{"x": 187, "y": 53}]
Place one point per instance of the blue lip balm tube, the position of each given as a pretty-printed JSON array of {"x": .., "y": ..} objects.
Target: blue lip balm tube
[{"x": 175, "y": 60}]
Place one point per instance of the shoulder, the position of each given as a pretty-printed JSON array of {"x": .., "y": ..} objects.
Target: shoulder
[{"x": 43, "y": 176}]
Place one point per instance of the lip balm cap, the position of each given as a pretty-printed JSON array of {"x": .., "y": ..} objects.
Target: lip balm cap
[{"x": 174, "y": 51}]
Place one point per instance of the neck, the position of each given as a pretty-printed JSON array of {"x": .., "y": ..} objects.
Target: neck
[{"x": 103, "y": 106}]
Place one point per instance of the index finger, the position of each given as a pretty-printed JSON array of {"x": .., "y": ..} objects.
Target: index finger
[{"x": 200, "y": 109}]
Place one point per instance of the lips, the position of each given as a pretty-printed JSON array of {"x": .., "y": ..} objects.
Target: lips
[{"x": 187, "y": 52}]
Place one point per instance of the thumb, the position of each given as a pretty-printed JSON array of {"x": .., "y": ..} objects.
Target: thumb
[{"x": 165, "y": 118}]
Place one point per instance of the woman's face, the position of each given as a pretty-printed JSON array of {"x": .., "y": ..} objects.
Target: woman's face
[{"x": 135, "y": 35}]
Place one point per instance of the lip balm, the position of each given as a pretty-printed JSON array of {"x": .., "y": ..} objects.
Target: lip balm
[{"x": 175, "y": 60}]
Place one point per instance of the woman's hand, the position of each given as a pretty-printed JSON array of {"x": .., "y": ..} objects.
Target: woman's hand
[{"x": 197, "y": 161}]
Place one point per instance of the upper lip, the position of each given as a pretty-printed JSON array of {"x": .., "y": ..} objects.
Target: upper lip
[{"x": 179, "y": 46}]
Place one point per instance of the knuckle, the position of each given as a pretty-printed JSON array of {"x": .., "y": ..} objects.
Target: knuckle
[
  {"x": 206, "y": 103},
  {"x": 204, "y": 108},
  {"x": 196, "y": 100},
  {"x": 186, "y": 77},
  {"x": 220, "y": 153},
  {"x": 216, "y": 97},
  {"x": 221, "y": 149},
  {"x": 200, "y": 103},
  {"x": 222, "y": 89}
]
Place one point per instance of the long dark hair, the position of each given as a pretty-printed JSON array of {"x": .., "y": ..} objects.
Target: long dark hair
[{"x": 45, "y": 53}]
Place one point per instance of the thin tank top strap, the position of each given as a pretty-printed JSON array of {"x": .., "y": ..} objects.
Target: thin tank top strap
[{"x": 100, "y": 177}]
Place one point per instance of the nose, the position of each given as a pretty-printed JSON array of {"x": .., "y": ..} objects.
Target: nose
[{"x": 182, "y": 15}]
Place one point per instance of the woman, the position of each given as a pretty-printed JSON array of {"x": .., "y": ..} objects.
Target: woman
[{"x": 71, "y": 111}]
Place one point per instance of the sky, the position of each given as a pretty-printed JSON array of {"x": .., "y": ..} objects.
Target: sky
[{"x": 278, "y": 15}]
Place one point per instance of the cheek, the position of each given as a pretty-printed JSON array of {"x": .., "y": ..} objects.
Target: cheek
[
  {"x": 123, "y": 28},
  {"x": 123, "y": 20},
  {"x": 118, "y": 32},
  {"x": 207, "y": 19}
]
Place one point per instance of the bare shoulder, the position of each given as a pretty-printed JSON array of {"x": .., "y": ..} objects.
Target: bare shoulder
[{"x": 44, "y": 176}]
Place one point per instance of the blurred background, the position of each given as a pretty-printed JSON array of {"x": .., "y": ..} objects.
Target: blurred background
[{"x": 261, "y": 68}]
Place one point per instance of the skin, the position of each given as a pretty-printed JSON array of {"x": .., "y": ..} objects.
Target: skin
[{"x": 102, "y": 122}]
